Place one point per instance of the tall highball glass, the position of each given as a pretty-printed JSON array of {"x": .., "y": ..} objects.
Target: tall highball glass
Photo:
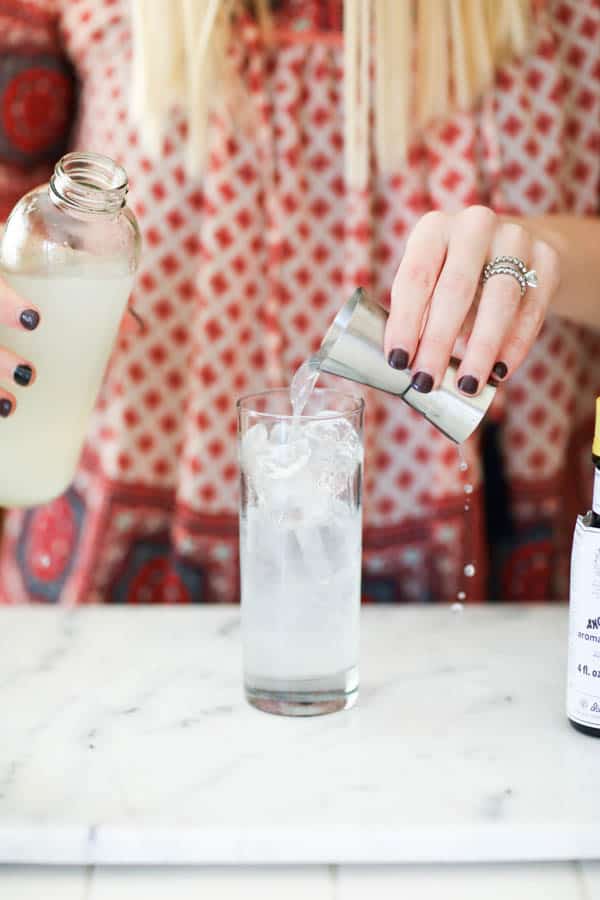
[{"x": 300, "y": 550}]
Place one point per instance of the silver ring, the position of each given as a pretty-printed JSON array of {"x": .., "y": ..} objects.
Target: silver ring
[{"x": 513, "y": 266}]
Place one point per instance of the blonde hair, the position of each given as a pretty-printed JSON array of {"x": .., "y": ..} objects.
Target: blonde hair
[{"x": 431, "y": 56}]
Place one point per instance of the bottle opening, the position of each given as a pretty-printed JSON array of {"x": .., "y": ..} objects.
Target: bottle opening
[{"x": 89, "y": 183}]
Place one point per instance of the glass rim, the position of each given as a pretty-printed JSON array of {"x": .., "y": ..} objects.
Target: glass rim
[
  {"x": 71, "y": 165},
  {"x": 358, "y": 407},
  {"x": 89, "y": 183}
]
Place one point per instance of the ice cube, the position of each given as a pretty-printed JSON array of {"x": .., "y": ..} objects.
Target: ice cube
[
  {"x": 332, "y": 431},
  {"x": 254, "y": 442},
  {"x": 266, "y": 457},
  {"x": 334, "y": 444},
  {"x": 334, "y": 549},
  {"x": 280, "y": 433},
  {"x": 341, "y": 539},
  {"x": 315, "y": 560},
  {"x": 285, "y": 460},
  {"x": 277, "y": 473}
]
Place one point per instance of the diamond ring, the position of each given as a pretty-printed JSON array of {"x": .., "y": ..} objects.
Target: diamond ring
[{"x": 513, "y": 266}]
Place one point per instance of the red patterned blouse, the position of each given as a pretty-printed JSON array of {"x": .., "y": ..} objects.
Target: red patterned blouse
[{"x": 242, "y": 271}]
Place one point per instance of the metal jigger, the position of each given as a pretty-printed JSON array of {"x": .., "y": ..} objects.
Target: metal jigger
[{"x": 353, "y": 348}]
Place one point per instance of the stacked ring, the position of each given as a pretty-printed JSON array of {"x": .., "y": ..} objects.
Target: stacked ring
[{"x": 513, "y": 266}]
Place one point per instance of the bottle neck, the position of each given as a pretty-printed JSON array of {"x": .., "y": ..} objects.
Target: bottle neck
[{"x": 89, "y": 184}]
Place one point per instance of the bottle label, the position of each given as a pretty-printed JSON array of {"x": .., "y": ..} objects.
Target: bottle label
[
  {"x": 583, "y": 675},
  {"x": 596, "y": 498}
]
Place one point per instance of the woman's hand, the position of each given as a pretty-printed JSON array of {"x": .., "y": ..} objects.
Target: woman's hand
[
  {"x": 437, "y": 298},
  {"x": 15, "y": 313}
]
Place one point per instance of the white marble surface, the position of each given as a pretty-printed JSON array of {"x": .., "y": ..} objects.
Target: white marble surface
[
  {"x": 497, "y": 881},
  {"x": 505, "y": 881},
  {"x": 230, "y": 883},
  {"x": 126, "y": 739}
]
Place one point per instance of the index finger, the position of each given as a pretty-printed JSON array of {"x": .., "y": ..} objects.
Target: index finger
[
  {"x": 15, "y": 311},
  {"x": 413, "y": 286}
]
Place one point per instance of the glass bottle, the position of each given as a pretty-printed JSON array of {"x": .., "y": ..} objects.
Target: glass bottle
[
  {"x": 70, "y": 248},
  {"x": 583, "y": 667}
]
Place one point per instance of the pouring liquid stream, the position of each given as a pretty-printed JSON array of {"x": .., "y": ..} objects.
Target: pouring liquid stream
[
  {"x": 302, "y": 386},
  {"x": 469, "y": 569}
]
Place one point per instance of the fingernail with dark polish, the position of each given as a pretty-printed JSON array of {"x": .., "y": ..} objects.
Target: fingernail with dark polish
[
  {"x": 468, "y": 385},
  {"x": 23, "y": 375},
  {"x": 29, "y": 319},
  {"x": 500, "y": 370},
  {"x": 398, "y": 358},
  {"x": 422, "y": 382},
  {"x": 5, "y": 407}
]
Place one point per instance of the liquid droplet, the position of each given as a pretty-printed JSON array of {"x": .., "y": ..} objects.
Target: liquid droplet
[
  {"x": 468, "y": 488},
  {"x": 463, "y": 465},
  {"x": 467, "y": 507},
  {"x": 469, "y": 570},
  {"x": 457, "y": 607},
  {"x": 461, "y": 595}
]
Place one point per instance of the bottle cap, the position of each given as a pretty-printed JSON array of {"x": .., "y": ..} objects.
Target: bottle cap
[{"x": 596, "y": 444}]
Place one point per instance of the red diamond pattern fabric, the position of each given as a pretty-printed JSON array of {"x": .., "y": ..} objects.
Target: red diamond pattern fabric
[{"x": 242, "y": 272}]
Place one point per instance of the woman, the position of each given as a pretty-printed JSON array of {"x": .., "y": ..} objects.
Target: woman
[{"x": 254, "y": 235}]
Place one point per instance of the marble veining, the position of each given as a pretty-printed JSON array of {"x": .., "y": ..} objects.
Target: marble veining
[{"x": 126, "y": 738}]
